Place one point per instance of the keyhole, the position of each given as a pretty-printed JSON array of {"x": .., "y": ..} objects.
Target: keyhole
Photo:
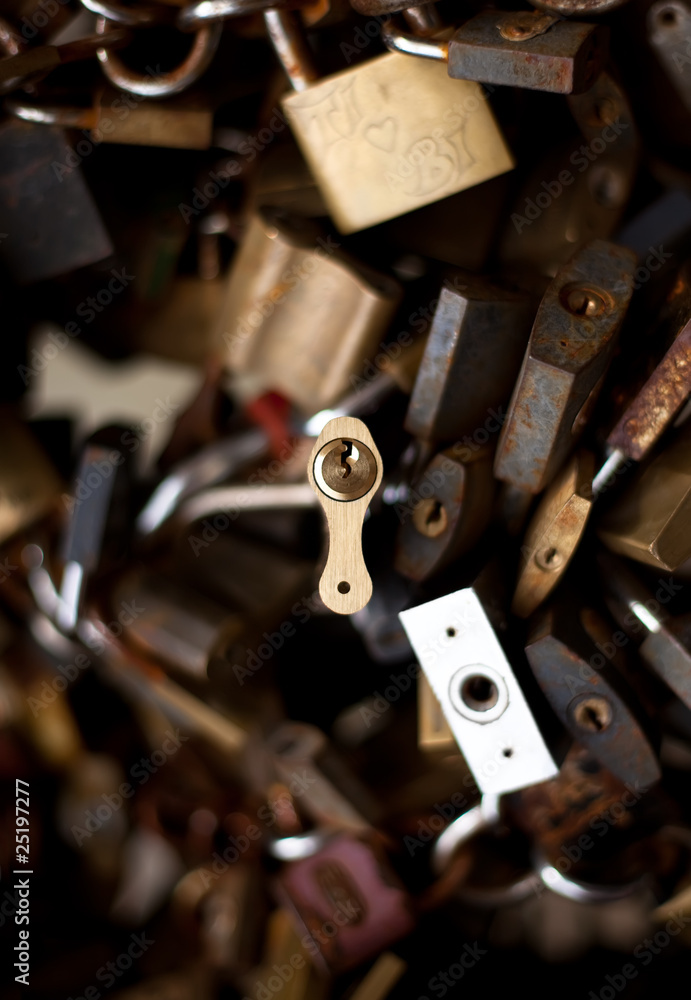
[
  {"x": 345, "y": 455},
  {"x": 434, "y": 514},
  {"x": 593, "y": 714}
]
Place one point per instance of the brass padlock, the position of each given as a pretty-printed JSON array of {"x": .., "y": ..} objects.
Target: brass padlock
[
  {"x": 300, "y": 317},
  {"x": 389, "y": 135}
]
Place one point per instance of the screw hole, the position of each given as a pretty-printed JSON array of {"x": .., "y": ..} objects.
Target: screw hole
[
  {"x": 668, "y": 16},
  {"x": 479, "y": 693},
  {"x": 508, "y": 752},
  {"x": 451, "y": 632},
  {"x": 343, "y": 587}
]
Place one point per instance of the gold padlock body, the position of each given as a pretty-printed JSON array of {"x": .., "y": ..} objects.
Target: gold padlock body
[
  {"x": 299, "y": 317},
  {"x": 393, "y": 134},
  {"x": 29, "y": 484},
  {"x": 180, "y": 123}
]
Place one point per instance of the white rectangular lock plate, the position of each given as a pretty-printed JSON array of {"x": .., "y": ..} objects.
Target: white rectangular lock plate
[{"x": 483, "y": 703}]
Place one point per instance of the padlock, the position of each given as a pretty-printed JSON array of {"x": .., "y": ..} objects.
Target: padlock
[
  {"x": 553, "y": 534},
  {"x": 451, "y": 508},
  {"x": 387, "y": 136},
  {"x": 300, "y": 317},
  {"x": 347, "y": 903},
  {"x": 40, "y": 208},
  {"x": 266, "y": 582},
  {"x": 595, "y": 705},
  {"x": 325, "y": 789},
  {"x": 578, "y": 191},
  {"x": 583, "y": 824},
  {"x": 570, "y": 347},
  {"x": 666, "y": 639},
  {"x": 479, "y": 693},
  {"x": 29, "y": 483},
  {"x": 465, "y": 376},
  {"x": 174, "y": 625},
  {"x": 516, "y": 49},
  {"x": 179, "y": 123},
  {"x": 649, "y": 521}
]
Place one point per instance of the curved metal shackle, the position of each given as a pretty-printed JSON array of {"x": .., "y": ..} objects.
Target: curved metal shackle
[
  {"x": 195, "y": 15},
  {"x": 397, "y": 40},
  {"x": 23, "y": 65},
  {"x": 132, "y": 17},
  {"x": 51, "y": 114},
  {"x": 153, "y": 84},
  {"x": 485, "y": 816}
]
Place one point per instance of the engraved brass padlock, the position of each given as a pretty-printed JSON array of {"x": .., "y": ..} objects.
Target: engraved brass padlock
[{"x": 388, "y": 136}]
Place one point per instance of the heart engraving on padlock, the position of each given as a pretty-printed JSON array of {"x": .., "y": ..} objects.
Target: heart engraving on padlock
[{"x": 345, "y": 470}]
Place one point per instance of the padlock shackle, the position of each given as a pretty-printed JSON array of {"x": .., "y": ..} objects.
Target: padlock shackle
[
  {"x": 161, "y": 85},
  {"x": 49, "y": 114},
  {"x": 132, "y": 17},
  {"x": 287, "y": 35},
  {"x": 196, "y": 15},
  {"x": 411, "y": 45},
  {"x": 35, "y": 63}
]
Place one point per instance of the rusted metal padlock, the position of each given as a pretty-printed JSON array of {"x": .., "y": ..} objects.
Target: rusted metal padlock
[
  {"x": 570, "y": 348},
  {"x": 470, "y": 363},
  {"x": 451, "y": 508},
  {"x": 595, "y": 705},
  {"x": 517, "y": 49}
]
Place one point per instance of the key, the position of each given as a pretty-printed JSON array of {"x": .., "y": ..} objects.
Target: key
[
  {"x": 378, "y": 137},
  {"x": 516, "y": 49},
  {"x": 345, "y": 471}
]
